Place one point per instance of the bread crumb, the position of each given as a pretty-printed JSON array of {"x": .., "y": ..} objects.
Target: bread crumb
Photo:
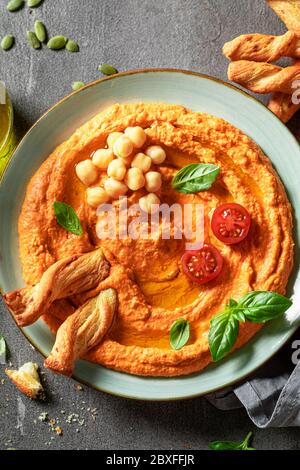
[
  {"x": 59, "y": 431},
  {"x": 27, "y": 380},
  {"x": 43, "y": 417}
]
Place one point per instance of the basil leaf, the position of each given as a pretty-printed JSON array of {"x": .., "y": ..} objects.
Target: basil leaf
[
  {"x": 239, "y": 315},
  {"x": 3, "y": 350},
  {"x": 67, "y": 218},
  {"x": 232, "y": 445},
  {"x": 232, "y": 303},
  {"x": 256, "y": 306},
  {"x": 262, "y": 306},
  {"x": 195, "y": 177},
  {"x": 224, "y": 330},
  {"x": 179, "y": 333},
  {"x": 224, "y": 445},
  {"x": 245, "y": 444}
]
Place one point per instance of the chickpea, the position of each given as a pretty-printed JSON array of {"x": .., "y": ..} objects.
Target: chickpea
[
  {"x": 87, "y": 172},
  {"x": 112, "y": 138},
  {"x": 115, "y": 188},
  {"x": 137, "y": 136},
  {"x": 134, "y": 179},
  {"x": 141, "y": 161},
  {"x": 102, "y": 158},
  {"x": 156, "y": 153},
  {"x": 127, "y": 161},
  {"x": 117, "y": 169},
  {"x": 96, "y": 196},
  {"x": 147, "y": 203},
  {"x": 122, "y": 147},
  {"x": 153, "y": 181}
]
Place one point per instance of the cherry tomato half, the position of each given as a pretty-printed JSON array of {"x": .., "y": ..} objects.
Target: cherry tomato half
[
  {"x": 230, "y": 223},
  {"x": 202, "y": 265}
]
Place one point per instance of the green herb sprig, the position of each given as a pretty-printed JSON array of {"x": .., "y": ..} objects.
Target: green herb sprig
[
  {"x": 256, "y": 307},
  {"x": 232, "y": 445}
]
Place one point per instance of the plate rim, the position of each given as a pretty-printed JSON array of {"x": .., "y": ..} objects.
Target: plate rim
[
  {"x": 137, "y": 72},
  {"x": 95, "y": 83}
]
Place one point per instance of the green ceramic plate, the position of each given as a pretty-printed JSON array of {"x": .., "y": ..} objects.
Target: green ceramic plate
[{"x": 199, "y": 93}]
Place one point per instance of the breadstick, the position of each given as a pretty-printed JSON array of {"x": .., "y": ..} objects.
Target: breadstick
[
  {"x": 262, "y": 47},
  {"x": 82, "y": 331},
  {"x": 66, "y": 277},
  {"x": 281, "y": 104},
  {"x": 261, "y": 77},
  {"x": 288, "y": 11}
]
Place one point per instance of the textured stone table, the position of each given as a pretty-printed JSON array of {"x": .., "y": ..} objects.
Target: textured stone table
[{"x": 129, "y": 34}]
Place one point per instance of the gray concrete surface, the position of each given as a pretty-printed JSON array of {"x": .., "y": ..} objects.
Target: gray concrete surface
[{"x": 129, "y": 34}]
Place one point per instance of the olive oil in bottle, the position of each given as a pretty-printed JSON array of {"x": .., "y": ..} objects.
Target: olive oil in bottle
[{"x": 7, "y": 135}]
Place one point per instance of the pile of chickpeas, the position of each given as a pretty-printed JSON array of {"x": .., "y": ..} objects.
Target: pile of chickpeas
[{"x": 126, "y": 168}]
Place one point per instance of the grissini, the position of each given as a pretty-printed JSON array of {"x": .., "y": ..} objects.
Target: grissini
[
  {"x": 66, "y": 277},
  {"x": 282, "y": 105},
  {"x": 262, "y": 47},
  {"x": 82, "y": 331},
  {"x": 288, "y": 11},
  {"x": 262, "y": 77}
]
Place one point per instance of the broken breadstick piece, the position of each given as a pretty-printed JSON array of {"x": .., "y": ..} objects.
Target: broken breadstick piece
[
  {"x": 262, "y": 47},
  {"x": 262, "y": 77},
  {"x": 27, "y": 380},
  {"x": 282, "y": 105},
  {"x": 81, "y": 331}
]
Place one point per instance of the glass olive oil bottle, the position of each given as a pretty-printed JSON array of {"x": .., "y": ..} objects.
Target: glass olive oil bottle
[{"x": 7, "y": 135}]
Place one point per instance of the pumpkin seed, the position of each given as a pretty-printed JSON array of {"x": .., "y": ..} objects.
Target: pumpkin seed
[
  {"x": 72, "y": 46},
  {"x": 40, "y": 31},
  {"x": 33, "y": 40},
  {"x": 57, "y": 42},
  {"x": 14, "y": 5},
  {"x": 77, "y": 85},
  {"x": 107, "y": 69},
  {"x": 34, "y": 3},
  {"x": 7, "y": 42}
]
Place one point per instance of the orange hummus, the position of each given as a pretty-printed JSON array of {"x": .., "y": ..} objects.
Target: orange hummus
[{"x": 152, "y": 289}]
